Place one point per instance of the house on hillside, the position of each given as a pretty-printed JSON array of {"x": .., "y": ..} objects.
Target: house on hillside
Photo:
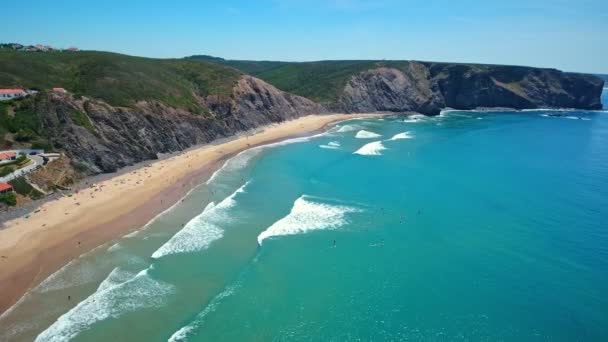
[
  {"x": 10, "y": 155},
  {"x": 9, "y": 94},
  {"x": 59, "y": 90},
  {"x": 4, "y": 188}
]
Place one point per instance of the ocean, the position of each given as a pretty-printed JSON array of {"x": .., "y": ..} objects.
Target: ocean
[{"x": 469, "y": 226}]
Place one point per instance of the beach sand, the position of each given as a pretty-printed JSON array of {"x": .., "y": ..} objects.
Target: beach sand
[{"x": 60, "y": 230}]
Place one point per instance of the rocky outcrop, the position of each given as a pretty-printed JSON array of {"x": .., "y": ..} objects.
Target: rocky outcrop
[
  {"x": 429, "y": 87},
  {"x": 392, "y": 90},
  {"x": 466, "y": 86},
  {"x": 114, "y": 137}
]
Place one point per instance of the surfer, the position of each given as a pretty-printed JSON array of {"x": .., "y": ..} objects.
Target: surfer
[{"x": 334, "y": 243}]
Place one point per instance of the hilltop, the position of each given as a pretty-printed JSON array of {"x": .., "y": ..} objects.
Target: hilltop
[
  {"x": 119, "y": 109},
  {"x": 120, "y": 80},
  {"x": 427, "y": 87}
]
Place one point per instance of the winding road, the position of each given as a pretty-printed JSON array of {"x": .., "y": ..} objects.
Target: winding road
[{"x": 37, "y": 162}]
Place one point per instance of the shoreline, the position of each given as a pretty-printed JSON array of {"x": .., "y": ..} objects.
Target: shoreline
[{"x": 63, "y": 228}]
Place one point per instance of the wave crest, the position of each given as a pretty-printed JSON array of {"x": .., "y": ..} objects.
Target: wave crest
[
  {"x": 202, "y": 230},
  {"x": 363, "y": 134},
  {"x": 404, "y": 135},
  {"x": 307, "y": 215},
  {"x": 372, "y": 149}
]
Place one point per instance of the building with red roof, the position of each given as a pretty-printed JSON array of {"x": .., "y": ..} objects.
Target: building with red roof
[
  {"x": 4, "y": 188},
  {"x": 8, "y": 94},
  {"x": 7, "y": 156}
]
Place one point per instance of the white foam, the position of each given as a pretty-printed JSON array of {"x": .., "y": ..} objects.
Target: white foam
[
  {"x": 332, "y": 145},
  {"x": 548, "y": 110},
  {"x": 182, "y": 333},
  {"x": 74, "y": 273},
  {"x": 363, "y": 134},
  {"x": 115, "y": 247},
  {"x": 242, "y": 159},
  {"x": 202, "y": 230},
  {"x": 404, "y": 135},
  {"x": 115, "y": 278},
  {"x": 348, "y": 128},
  {"x": 329, "y": 147},
  {"x": 307, "y": 215},
  {"x": 112, "y": 301},
  {"x": 372, "y": 149},
  {"x": 132, "y": 234}
]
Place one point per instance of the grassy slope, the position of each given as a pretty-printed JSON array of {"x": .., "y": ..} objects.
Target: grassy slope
[
  {"x": 321, "y": 81},
  {"x": 118, "y": 79}
]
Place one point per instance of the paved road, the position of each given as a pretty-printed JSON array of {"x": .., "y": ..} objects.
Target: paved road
[{"x": 37, "y": 162}]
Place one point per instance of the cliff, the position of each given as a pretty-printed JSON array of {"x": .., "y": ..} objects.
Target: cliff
[
  {"x": 120, "y": 109},
  {"x": 425, "y": 87},
  {"x": 99, "y": 137}
]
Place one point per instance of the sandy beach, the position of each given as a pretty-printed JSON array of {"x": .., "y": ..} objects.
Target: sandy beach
[{"x": 58, "y": 231}]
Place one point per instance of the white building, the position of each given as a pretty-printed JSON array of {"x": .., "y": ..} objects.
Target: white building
[{"x": 7, "y": 94}]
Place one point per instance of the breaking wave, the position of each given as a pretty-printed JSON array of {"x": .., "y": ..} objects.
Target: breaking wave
[
  {"x": 404, "y": 135},
  {"x": 307, "y": 215},
  {"x": 109, "y": 301},
  {"x": 363, "y": 134},
  {"x": 348, "y": 128},
  {"x": 242, "y": 159},
  {"x": 183, "y": 332},
  {"x": 372, "y": 149},
  {"x": 202, "y": 230},
  {"x": 332, "y": 145}
]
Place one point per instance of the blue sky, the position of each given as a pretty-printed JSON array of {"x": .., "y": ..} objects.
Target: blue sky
[{"x": 569, "y": 35}]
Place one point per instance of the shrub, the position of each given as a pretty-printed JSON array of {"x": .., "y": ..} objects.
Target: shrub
[
  {"x": 21, "y": 186},
  {"x": 22, "y": 158},
  {"x": 6, "y": 170},
  {"x": 8, "y": 198},
  {"x": 42, "y": 144},
  {"x": 81, "y": 119}
]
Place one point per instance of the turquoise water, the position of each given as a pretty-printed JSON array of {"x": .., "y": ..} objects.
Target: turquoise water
[{"x": 469, "y": 226}]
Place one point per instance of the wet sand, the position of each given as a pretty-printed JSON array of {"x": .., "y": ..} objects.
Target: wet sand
[{"x": 60, "y": 230}]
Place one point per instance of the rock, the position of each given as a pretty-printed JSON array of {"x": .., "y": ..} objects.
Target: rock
[
  {"x": 429, "y": 87},
  {"x": 123, "y": 136}
]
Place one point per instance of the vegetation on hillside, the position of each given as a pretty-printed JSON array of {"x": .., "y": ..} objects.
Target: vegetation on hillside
[
  {"x": 22, "y": 187},
  {"x": 8, "y": 198},
  {"x": 118, "y": 79},
  {"x": 19, "y": 120},
  {"x": 321, "y": 81}
]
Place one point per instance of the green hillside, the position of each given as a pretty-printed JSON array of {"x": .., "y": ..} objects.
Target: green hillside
[
  {"x": 320, "y": 81},
  {"x": 118, "y": 79}
]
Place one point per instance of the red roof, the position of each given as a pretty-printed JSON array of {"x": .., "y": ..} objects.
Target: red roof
[
  {"x": 4, "y": 155},
  {"x": 11, "y": 91},
  {"x": 4, "y": 186}
]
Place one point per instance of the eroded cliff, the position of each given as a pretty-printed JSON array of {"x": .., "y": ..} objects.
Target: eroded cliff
[
  {"x": 102, "y": 138},
  {"x": 429, "y": 87}
]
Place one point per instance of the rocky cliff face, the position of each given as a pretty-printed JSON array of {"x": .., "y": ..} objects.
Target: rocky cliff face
[
  {"x": 429, "y": 87},
  {"x": 117, "y": 137},
  {"x": 103, "y": 138},
  {"x": 392, "y": 90}
]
